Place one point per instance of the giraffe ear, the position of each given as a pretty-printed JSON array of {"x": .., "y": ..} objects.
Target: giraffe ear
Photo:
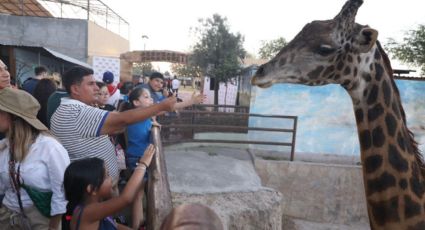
[{"x": 366, "y": 39}]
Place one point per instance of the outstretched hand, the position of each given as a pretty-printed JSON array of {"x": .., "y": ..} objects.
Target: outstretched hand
[
  {"x": 169, "y": 103},
  {"x": 147, "y": 156},
  {"x": 197, "y": 98}
]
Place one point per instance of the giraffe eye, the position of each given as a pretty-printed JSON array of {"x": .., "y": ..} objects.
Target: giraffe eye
[{"x": 325, "y": 50}]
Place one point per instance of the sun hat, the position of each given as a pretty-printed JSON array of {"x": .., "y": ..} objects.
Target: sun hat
[
  {"x": 21, "y": 104},
  {"x": 108, "y": 77}
]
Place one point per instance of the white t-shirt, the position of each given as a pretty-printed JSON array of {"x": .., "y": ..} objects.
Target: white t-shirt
[
  {"x": 114, "y": 98},
  {"x": 43, "y": 168},
  {"x": 175, "y": 83}
]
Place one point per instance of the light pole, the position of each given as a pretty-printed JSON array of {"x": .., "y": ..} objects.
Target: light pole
[{"x": 144, "y": 38}]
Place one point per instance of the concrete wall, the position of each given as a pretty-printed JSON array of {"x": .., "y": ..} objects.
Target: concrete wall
[
  {"x": 316, "y": 192},
  {"x": 67, "y": 36},
  {"x": 104, "y": 43},
  {"x": 326, "y": 122}
]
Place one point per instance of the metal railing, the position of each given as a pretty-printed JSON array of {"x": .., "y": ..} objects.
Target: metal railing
[
  {"x": 159, "y": 202},
  {"x": 220, "y": 108},
  {"x": 183, "y": 127}
]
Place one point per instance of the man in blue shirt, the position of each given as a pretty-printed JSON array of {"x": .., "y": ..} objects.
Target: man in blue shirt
[
  {"x": 155, "y": 86},
  {"x": 40, "y": 73}
]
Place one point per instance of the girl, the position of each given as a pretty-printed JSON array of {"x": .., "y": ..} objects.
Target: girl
[
  {"x": 138, "y": 138},
  {"x": 32, "y": 165},
  {"x": 138, "y": 134},
  {"x": 88, "y": 190}
]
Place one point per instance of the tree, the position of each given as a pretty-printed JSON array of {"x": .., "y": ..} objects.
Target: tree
[
  {"x": 186, "y": 70},
  {"x": 218, "y": 52},
  {"x": 142, "y": 69},
  {"x": 269, "y": 49},
  {"x": 412, "y": 49}
]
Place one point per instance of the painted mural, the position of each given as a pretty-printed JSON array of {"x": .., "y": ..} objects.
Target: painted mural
[{"x": 326, "y": 122}]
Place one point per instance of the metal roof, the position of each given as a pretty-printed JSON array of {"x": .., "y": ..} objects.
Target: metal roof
[
  {"x": 67, "y": 58},
  {"x": 23, "y": 8}
]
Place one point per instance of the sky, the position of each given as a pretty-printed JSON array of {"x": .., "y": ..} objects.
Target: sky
[{"x": 168, "y": 23}]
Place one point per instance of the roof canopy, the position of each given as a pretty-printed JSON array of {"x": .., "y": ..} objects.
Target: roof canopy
[{"x": 23, "y": 8}]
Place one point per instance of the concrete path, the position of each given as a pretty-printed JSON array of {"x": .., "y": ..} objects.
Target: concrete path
[{"x": 198, "y": 171}]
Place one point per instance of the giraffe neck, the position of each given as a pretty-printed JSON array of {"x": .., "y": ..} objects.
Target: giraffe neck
[{"x": 392, "y": 166}]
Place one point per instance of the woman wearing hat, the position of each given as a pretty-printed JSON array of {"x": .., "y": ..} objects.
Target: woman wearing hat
[
  {"x": 4, "y": 82},
  {"x": 31, "y": 162}
]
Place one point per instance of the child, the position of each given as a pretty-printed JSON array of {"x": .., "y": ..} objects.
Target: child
[
  {"x": 138, "y": 134},
  {"x": 88, "y": 189},
  {"x": 138, "y": 138},
  {"x": 102, "y": 102}
]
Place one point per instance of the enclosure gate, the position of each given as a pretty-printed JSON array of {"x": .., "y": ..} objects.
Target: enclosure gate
[{"x": 182, "y": 127}]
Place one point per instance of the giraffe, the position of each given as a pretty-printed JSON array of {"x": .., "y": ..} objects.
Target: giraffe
[{"x": 340, "y": 51}]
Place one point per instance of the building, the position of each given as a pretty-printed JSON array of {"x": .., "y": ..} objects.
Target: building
[{"x": 60, "y": 35}]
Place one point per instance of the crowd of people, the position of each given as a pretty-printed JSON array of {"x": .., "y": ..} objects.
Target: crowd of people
[{"x": 65, "y": 142}]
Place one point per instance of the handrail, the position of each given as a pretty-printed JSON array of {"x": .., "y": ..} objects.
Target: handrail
[
  {"x": 196, "y": 121},
  {"x": 234, "y": 142},
  {"x": 226, "y": 127},
  {"x": 236, "y": 114},
  {"x": 159, "y": 194},
  {"x": 221, "y": 106}
]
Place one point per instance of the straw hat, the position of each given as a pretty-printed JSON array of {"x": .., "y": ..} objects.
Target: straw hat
[{"x": 21, "y": 104}]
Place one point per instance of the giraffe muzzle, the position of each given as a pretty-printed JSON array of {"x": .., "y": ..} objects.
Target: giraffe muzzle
[{"x": 256, "y": 82}]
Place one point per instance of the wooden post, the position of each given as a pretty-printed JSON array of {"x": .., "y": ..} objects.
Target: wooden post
[{"x": 159, "y": 195}]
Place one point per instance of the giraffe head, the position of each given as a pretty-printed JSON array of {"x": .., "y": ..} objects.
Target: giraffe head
[{"x": 323, "y": 52}]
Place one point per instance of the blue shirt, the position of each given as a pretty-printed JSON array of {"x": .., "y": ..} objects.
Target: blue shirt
[
  {"x": 138, "y": 137},
  {"x": 29, "y": 85}
]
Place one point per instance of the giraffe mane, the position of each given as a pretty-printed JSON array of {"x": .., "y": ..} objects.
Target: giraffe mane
[{"x": 413, "y": 144}]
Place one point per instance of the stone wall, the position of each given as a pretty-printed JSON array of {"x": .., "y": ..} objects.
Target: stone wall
[
  {"x": 322, "y": 193},
  {"x": 259, "y": 210}
]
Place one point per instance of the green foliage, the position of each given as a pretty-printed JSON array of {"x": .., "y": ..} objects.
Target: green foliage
[
  {"x": 186, "y": 70},
  {"x": 142, "y": 69},
  {"x": 269, "y": 49},
  {"x": 217, "y": 53},
  {"x": 412, "y": 49}
]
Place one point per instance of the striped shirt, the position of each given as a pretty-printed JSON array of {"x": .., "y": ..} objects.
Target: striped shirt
[{"x": 78, "y": 126}]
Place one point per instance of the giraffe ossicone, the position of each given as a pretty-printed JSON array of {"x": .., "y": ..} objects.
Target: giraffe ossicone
[{"x": 340, "y": 51}]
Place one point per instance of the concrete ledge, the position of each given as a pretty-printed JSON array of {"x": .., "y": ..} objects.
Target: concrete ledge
[
  {"x": 312, "y": 195},
  {"x": 321, "y": 193},
  {"x": 290, "y": 223},
  {"x": 241, "y": 210},
  {"x": 230, "y": 186}
]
